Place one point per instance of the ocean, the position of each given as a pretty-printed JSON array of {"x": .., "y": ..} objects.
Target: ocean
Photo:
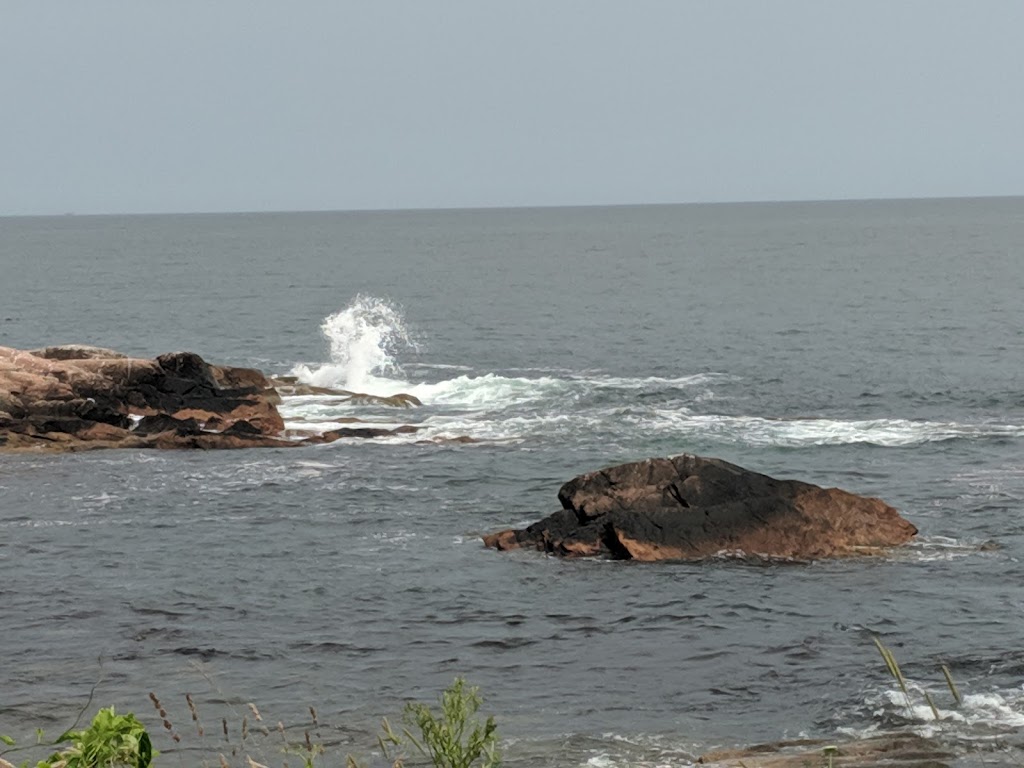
[{"x": 875, "y": 346}]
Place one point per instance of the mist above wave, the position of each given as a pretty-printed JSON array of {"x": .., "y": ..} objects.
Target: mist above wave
[{"x": 364, "y": 340}]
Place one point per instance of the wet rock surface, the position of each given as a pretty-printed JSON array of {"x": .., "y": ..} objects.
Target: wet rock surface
[
  {"x": 690, "y": 508},
  {"x": 70, "y": 398},
  {"x": 906, "y": 750}
]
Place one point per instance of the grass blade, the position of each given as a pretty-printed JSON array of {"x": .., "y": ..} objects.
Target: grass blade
[{"x": 952, "y": 685}]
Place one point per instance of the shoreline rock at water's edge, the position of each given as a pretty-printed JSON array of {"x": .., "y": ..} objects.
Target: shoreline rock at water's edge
[
  {"x": 898, "y": 750},
  {"x": 74, "y": 398},
  {"x": 692, "y": 508}
]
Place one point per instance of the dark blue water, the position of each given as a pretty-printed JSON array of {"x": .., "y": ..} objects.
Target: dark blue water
[{"x": 876, "y": 346}]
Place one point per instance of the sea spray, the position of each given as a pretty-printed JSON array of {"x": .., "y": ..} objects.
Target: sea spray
[{"x": 364, "y": 338}]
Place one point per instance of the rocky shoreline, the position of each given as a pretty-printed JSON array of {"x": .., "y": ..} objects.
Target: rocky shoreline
[
  {"x": 898, "y": 750},
  {"x": 76, "y": 398}
]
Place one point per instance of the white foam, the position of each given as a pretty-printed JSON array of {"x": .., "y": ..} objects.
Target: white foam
[
  {"x": 367, "y": 335},
  {"x": 492, "y": 389},
  {"x": 483, "y": 407},
  {"x": 797, "y": 433},
  {"x": 655, "y": 382},
  {"x": 640, "y": 751},
  {"x": 979, "y": 714},
  {"x": 489, "y": 390},
  {"x": 927, "y": 549},
  {"x": 364, "y": 339},
  {"x": 504, "y": 429}
]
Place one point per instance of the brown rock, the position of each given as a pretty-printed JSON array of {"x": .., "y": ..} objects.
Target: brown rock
[
  {"x": 240, "y": 378},
  {"x": 360, "y": 432},
  {"x": 289, "y": 385},
  {"x": 690, "y": 508},
  {"x": 208, "y": 441},
  {"x": 160, "y": 423},
  {"x": 900, "y": 750},
  {"x": 75, "y": 352},
  {"x": 79, "y": 398},
  {"x": 99, "y": 431},
  {"x": 257, "y": 412}
]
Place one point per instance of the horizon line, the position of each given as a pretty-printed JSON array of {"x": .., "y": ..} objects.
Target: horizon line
[{"x": 481, "y": 208}]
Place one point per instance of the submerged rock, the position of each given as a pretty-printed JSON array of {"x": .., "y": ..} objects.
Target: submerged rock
[
  {"x": 362, "y": 432},
  {"x": 290, "y": 385},
  {"x": 690, "y": 508}
]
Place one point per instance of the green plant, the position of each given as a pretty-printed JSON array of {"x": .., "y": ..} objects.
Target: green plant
[
  {"x": 9, "y": 741},
  {"x": 452, "y": 737},
  {"x": 110, "y": 741},
  {"x": 308, "y": 751}
]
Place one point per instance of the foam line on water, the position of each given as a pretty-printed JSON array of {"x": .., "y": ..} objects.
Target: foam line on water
[
  {"x": 655, "y": 382},
  {"x": 926, "y": 549},
  {"x": 488, "y": 390},
  {"x": 493, "y": 389},
  {"x": 797, "y": 433},
  {"x": 486, "y": 407}
]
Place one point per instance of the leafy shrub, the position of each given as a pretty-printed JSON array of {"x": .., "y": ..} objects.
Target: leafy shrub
[
  {"x": 452, "y": 737},
  {"x": 111, "y": 741}
]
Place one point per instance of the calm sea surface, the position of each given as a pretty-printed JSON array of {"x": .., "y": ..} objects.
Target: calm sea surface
[{"x": 876, "y": 346}]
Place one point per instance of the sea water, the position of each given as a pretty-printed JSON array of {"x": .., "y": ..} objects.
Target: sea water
[{"x": 875, "y": 346}]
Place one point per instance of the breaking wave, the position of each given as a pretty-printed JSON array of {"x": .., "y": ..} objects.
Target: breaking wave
[
  {"x": 367, "y": 338},
  {"x": 979, "y": 716},
  {"x": 758, "y": 431},
  {"x": 364, "y": 339}
]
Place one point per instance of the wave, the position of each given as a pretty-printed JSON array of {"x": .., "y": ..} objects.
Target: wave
[
  {"x": 489, "y": 390},
  {"x": 364, "y": 339},
  {"x": 758, "y": 431},
  {"x": 367, "y": 337},
  {"x": 926, "y": 549},
  {"x": 978, "y": 716},
  {"x": 654, "y": 382},
  {"x": 487, "y": 412}
]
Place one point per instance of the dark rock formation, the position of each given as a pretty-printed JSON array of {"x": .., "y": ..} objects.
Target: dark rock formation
[
  {"x": 362, "y": 432},
  {"x": 689, "y": 508}
]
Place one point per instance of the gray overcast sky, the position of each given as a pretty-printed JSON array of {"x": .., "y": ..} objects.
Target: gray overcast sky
[{"x": 215, "y": 105}]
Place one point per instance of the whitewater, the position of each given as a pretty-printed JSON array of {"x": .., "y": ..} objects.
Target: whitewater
[{"x": 367, "y": 338}]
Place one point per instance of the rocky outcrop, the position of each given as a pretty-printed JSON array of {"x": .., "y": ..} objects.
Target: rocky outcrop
[
  {"x": 900, "y": 750},
  {"x": 76, "y": 397},
  {"x": 690, "y": 508},
  {"x": 79, "y": 398}
]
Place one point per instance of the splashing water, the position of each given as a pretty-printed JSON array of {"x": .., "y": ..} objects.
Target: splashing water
[{"x": 364, "y": 339}]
